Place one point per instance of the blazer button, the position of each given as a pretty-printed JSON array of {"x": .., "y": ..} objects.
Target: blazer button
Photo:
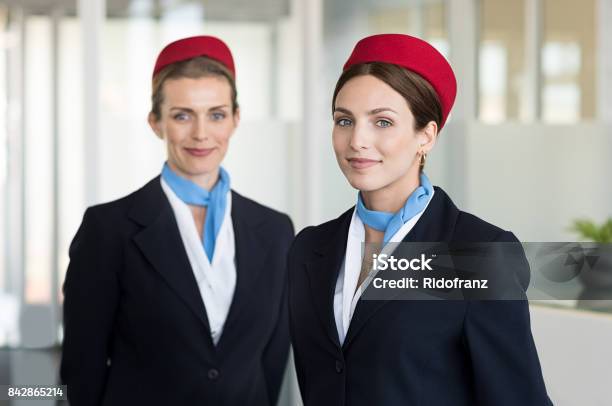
[
  {"x": 339, "y": 366},
  {"x": 213, "y": 374}
]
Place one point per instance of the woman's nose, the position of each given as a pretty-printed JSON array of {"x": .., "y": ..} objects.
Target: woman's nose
[
  {"x": 200, "y": 132},
  {"x": 359, "y": 138}
]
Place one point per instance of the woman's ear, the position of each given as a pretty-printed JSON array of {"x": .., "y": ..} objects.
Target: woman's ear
[
  {"x": 428, "y": 136},
  {"x": 154, "y": 124}
]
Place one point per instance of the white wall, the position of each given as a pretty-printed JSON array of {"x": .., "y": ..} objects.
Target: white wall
[
  {"x": 534, "y": 179},
  {"x": 575, "y": 350}
]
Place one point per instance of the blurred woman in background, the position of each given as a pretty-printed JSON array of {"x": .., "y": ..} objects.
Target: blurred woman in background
[{"x": 176, "y": 293}]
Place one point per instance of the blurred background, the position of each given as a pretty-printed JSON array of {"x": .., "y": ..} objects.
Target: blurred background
[{"x": 527, "y": 146}]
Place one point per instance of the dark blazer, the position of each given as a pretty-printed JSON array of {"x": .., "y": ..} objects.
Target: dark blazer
[
  {"x": 135, "y": 326},
  {"x": 408, "y": 352}
]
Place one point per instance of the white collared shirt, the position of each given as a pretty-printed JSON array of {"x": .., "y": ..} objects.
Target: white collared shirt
[
  {"x": 216, "y": 281},
  {"x": 344, "y": 299}
]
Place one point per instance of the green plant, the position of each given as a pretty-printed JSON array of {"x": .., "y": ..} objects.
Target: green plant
[{"x": 588, "y": 230}]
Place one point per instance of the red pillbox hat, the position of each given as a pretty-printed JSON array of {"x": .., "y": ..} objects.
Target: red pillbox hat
[
  {"x": 187, "y": 48},
  {"x": 413, "y": 54}
]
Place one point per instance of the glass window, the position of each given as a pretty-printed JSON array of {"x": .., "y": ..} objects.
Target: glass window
[
  {"x": 27, "y": 270},
  {"x": 424, "y": 19},
  {"x": 3, "y": 152},
  {"x": 10, "y": 181},
  {"x": 71, "y": 193},
  {"x": 435, "y": 30},
  {"x": 568, "y": 61},
  {"x": 38, "y": 161},
  {"x": 564, "y": 35},
  {"x": 501, "y": 68}
]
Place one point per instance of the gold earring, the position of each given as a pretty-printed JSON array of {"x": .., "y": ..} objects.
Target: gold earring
[{"x": 423, "y": 156}]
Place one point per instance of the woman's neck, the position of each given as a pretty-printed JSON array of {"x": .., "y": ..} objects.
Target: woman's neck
[
  {"x": 392, "y": 197},
  {"x": 205, "y": 180}
]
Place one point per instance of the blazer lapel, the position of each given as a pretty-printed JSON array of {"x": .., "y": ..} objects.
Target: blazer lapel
[
  {"x": 323, "y": 273},
  {"x": 160, "y": 242},
  {"x": 251, "y": 252},
  {"x": 435, "y": 225}
]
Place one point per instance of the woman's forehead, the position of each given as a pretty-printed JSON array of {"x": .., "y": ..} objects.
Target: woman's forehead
[
  {"x": 203, "y": 89},
  {"x": 366, "y": 93}
]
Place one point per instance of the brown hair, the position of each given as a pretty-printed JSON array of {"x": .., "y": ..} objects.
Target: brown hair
[{"x": 193, "y": 68}]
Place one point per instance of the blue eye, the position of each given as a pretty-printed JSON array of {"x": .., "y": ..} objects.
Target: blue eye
[
  {"x": 343, "y": 122},
  {"x": 181, "y": 116},
  {"x": 384, "y": 123},
  {"x": 217, "y": 116}
]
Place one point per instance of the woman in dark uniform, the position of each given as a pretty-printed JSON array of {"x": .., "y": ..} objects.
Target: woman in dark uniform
[
  {"x": 389, "y": 105},
  {"x": 176, "y": 293}
]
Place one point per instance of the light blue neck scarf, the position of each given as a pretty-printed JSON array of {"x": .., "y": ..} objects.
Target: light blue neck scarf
[
  {"x": 215, "y": 200},
  {"x": 390, "y": 223}
]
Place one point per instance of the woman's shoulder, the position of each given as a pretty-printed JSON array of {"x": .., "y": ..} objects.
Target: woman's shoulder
[
  {"x": 260, "y": 213},
  {"x": 150, "y": 194},
  {"x": 508, "y": 256},
  {"x": 473, "y": 228},
  {"x": 460, "y": 225},
  {"x": 108, "y": 223},
  {"x": 321, "y": 235},
  {"x": 122, "y": 216}
]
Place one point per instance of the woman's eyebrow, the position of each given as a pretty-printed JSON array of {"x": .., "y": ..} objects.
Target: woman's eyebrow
[
  {"x": 183, "y": 109},
  {"x": 371, "y": 112},
  {"x": 218, "y": 107},
  {"x": 381, "y": 109},
  {"x": 342, "y": 110},
  {"x": 190, "y": 110}
]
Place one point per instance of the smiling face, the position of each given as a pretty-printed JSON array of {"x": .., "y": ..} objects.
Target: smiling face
[
  {"x": 196, "y": 120},
  {"x": 374, "y": 135}
]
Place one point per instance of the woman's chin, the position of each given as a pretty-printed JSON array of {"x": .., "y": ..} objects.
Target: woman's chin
[
  {"x": 199, "y": 169},
  {"x": 364, "y": 184}
]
